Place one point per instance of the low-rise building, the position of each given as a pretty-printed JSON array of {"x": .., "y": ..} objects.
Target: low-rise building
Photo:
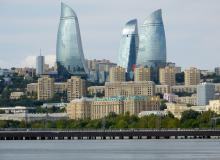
[
  {"x": 97, "y": 108},
  {"x": 184, "y": 88},
  {"x": 162, "y": 89},
  {"x": 191, "y": 100},
  {"x": 17, "y": 109},
  {"x": 177, "y": 109},
  {"x": 170, "y": 97},
  {"x": 56, "y": 105},
  {"x": 29, "y": 117},
  {"x": 156, "y": 113},
  {"x": 32, "y": 88},
  {"x": 214, "y": 105},
  {"x": 16, "y": 95},
  {"x": 94, "y": 90},
  {"x": 79, "y": 108}
]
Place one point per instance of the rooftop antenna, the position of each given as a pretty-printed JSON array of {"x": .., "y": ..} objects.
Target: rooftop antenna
[{"x": 40, "y": 51}]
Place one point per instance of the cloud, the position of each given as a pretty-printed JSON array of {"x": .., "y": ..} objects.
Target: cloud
[{"x": 30, "y": 61}]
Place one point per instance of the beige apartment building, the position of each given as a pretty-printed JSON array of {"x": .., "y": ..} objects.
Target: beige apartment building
[
  {"x": 167, "y": 76},
  {"x": 16, "y": 95},
  {"x": 174, "y": 89},
  {"x": 45, "y": 88},
  {"x": 93, "y": 90},
  {"x": 139, "y": 88},
  {"x": 32, "y": 88},
  {"x": 76, "y": 88},
  {"x": 142, "y": 74},
  {"x": 214, "y": 105},
  {"x": 60, "y": 87},
  {"x": 79, "y": 108},
  {"x": 117, "y": 74},
  {"x": 192, "y": 76}
]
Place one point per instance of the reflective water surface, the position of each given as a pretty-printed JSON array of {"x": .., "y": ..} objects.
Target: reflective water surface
[{"x": 111, "y": 150}]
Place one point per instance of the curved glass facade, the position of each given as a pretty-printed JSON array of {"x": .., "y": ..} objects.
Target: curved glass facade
[
  {"x": 152, "y": 47},
  {"x": 128, "y": 46},
  {"x": 69, "y": 52}
]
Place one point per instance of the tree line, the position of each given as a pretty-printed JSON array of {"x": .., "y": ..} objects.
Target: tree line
[{"x": 190, "y": 119}]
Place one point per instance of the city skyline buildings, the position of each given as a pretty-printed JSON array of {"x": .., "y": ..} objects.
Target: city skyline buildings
[
  {"x": 128, "y": 49},
  {"x": 40, "y": 62},
  {"x": 180, "y": 25},
  {"x": 69, "y": 51},
  {"x": 152, "y": 44}
]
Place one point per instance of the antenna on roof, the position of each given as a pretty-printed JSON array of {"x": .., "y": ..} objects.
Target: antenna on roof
[{"x": 40, "y": 51}]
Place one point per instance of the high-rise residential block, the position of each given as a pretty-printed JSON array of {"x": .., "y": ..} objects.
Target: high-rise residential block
[
  {"x": 192, "y": 76},
  {"x": 117, "y": 74},
  {"x": 205, "y": 93},
  {"x": 76, "y": 88},
  {"x": 167, "y": 76},
  {"x": 69, "y": 52},
  {"x": 142, "y": 74},
  {"x": 45, "y": 88}
]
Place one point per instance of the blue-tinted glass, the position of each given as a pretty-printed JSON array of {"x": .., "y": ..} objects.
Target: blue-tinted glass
[
  {"x": 152, "y": 46},
  {"x": 70, "y": 57},
  {"x": 128, "y": 46}
]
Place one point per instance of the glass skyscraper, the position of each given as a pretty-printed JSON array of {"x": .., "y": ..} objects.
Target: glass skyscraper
[
  {"x": 129, "y": 47},
  {"x": 69, "y": 52},
  {"x": 152, "y": 46},
  {"x": 40, "y": 65}
]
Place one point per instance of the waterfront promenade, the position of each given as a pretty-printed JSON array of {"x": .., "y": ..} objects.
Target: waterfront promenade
[{"x": 27, "y": 134}]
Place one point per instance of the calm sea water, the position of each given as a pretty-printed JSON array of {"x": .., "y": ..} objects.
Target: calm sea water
[{"x": 111, "y": 150}]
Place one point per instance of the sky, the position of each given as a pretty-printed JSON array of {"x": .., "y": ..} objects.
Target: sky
[{"x": 192, "y": 29}]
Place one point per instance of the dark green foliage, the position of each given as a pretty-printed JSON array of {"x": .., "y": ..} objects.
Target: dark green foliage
[{"x": 190, "y": 119}]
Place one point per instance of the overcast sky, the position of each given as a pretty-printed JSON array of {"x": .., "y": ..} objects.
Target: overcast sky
[{"x": 192, "y": 29}]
